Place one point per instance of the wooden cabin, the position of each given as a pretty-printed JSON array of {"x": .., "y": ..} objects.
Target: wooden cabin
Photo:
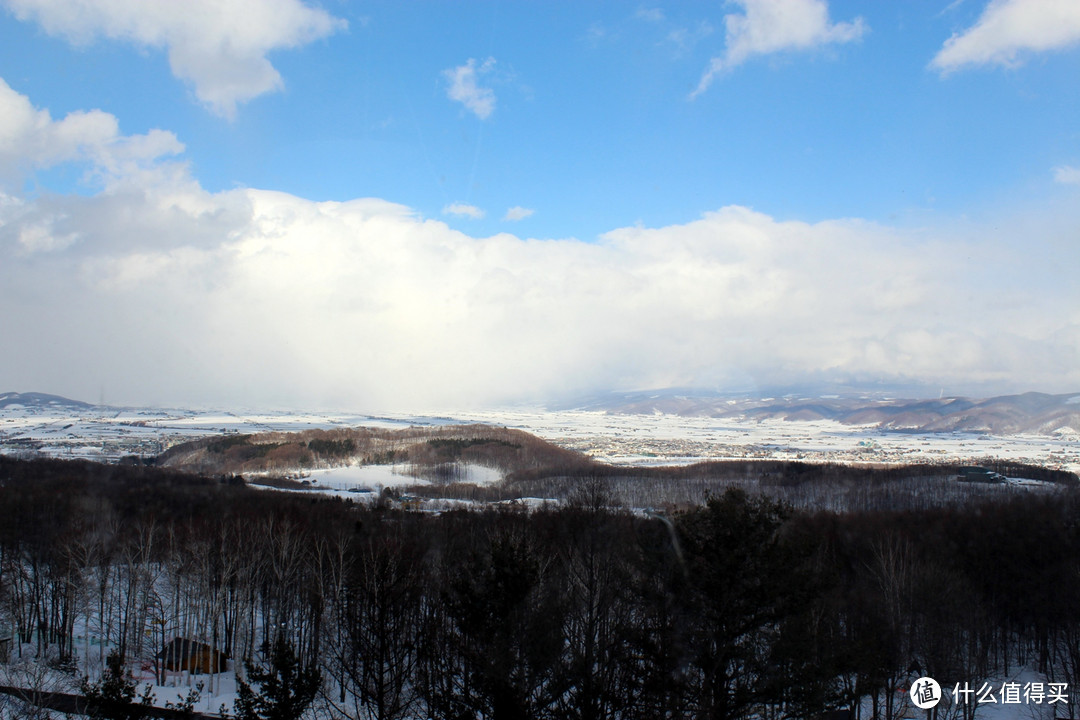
[{"x": 193, "y": 656}]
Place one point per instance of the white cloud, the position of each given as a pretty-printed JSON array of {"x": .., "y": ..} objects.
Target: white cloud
[
  {"x": 30, "y": 139},
  {"x": 464, "y": 88},
  {"x": 41, "y": 238},
  {"x": 1067, "y": 175},
  {"x": 260, "y": 297},
  {"x": 463, "y": 210},
  {"x": 220, "y": 47},
  {"x": 771, "y": 26},
  {"x": 173, "y": 294},
  {"x": 517, "y": 213},
  {"x": 1008, "y": 28}
]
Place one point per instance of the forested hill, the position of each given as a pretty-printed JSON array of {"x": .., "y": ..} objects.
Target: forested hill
[
  {"x": 40, "y": 400},
  {"x": 506, "y": 450}
]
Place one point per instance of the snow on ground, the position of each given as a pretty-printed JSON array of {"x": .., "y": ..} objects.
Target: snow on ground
[
  {"x": 31, "y": 673},
  {"x": 361, "y": 477},
  {"x": 1024, "y": 695},
  {"x": 107, "y": 434},
  {"x": 671, "y": 439},
  {"x": 365, "y": 483},
  {"x": 376, "y": 477}
]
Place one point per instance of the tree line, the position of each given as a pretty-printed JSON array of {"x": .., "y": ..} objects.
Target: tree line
[{"x": 741, "y": 607}]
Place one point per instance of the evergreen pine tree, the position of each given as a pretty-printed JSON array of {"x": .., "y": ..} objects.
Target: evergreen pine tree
[
  {"x": 286, "y": 688},
  {"x": 113, "y": 697}
]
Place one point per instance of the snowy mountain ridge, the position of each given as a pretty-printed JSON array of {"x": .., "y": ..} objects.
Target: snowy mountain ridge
[{"x": 1031, "y": 412}]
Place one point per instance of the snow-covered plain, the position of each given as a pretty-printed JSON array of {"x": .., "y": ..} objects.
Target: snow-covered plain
[
  {"x": 359, "y": 480},
  {"x": 108, "y": 434},
  {"x": 671, "y": 439}
]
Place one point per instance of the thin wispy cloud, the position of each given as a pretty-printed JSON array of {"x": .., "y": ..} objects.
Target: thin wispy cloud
[
  {"x": 771, "y": 26},
  {"x": 518, "y": 213},
  {"x": 1067, "y": 175},
  {"x": 1008, "y": 30},
  {"x": 463, "y": 210},
  {"x": 653, "y": 15},
  {"x": 463, "y": 86},
  {"x": 219, "y": 47},
  {"x": 685, "y": 38},
  {"x": 950, "y": 7}
]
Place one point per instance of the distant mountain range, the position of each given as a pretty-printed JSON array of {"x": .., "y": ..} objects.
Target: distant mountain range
[
  {"x": 1007, "y": 414},
  {"x": 39, "y": 400},
  {"x": 1031, "y": 412}
]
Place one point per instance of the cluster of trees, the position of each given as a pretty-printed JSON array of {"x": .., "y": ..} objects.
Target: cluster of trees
[
  {"x": 286, "y": 689},
  {"x": 503, "y": 448},
  {"x": 738, "y": 608},
  {"x": 810, "y": 486}
]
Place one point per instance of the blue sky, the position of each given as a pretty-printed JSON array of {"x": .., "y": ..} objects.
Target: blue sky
[{"x": 588, "y": 196}]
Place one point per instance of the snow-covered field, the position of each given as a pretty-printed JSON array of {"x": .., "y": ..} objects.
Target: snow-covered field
[
  {"x": 110, "y": 433},
  {"x": 671, "y": 439},
  {"x": 103, "y": 433},
  {"x": 366, "y": 481}
]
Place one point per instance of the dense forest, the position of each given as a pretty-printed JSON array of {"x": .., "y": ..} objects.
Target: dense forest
[
  {"x": 741, "y": 607},
  {"x": 437, "y": 457}
]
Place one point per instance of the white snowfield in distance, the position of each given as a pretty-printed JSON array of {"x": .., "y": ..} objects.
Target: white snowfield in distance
[
  {"x": 107, "y": 434},
  {"x": 663, "y": 439}
]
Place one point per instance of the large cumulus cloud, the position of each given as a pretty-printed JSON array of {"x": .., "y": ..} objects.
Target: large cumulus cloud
[{"x": 158, "y": 291}]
